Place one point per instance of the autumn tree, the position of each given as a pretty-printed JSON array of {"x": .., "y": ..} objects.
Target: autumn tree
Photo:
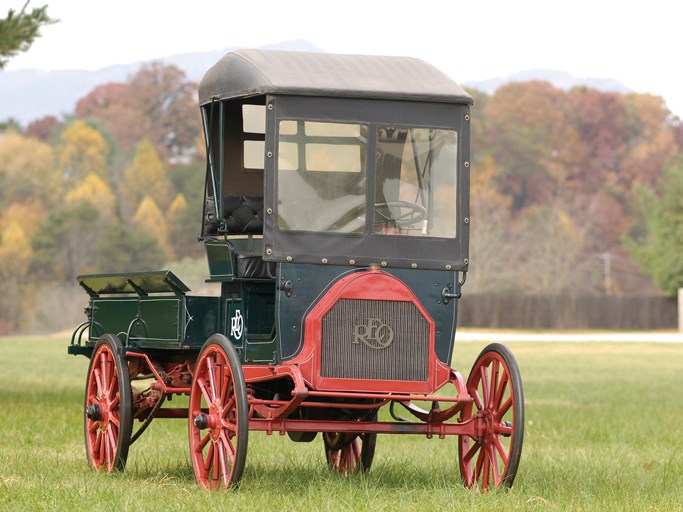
[
  {"x": 157, "y": 102},
  {"x": 168, "y": 100},
  {"x": 146, "y": 176},
  {"x": 657, "y": 245},
  {"x": 93, "y": 190},
  {"x": 43, "y": 128},
  {"x": 15, "y": 257},
  {"x": 128, "y": 248},
  {"x": 183, "y": 228},
  {"x": 82, "y": 151},
  {"x": 28, "y": 215},
  {"x": 530, "y": 142},
  {"x": 652, "y": 142},
  {"x": 11, "y": 124},
  {"x": 601, "y": 120},
  {"x": 27, "y": 170},
  {"x": 150, "y": 218},
  {"x": 20, "y": 29},
  {"x": 68, "y": 245},
  {"x": 490, "y": 237},
  {"x": 112, "y": 104},
  {"x": 549, "y": 254}
]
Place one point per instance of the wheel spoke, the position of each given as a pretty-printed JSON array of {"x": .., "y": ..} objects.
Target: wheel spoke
[
  {"x": 224, "y": 464},
  {"x": 495, "y": 369},
  {"x": 227, "y": 443},
  {"x": 202, "y": 443},
  {"x": 494, "y": 464},
  {"x": 504, "y": 429},
  {"x": 486, "y": 471},
  {"x": 212, "y": 378},
  {"x": 229, "y": 426},
  {"x": 113, "y": 381},
  {"x": 201, "y": 383},
  {"x": 502, "y": 388},
  {"x": 113, "y": 443},
  {"x": 472, "y": 452},
  {"x": 215, "y": 462},
  {"x": 103, "y": 372},
  {"x": 504, "y": 408},
  {"x": 97, "y": 444},
  {"x": 477, "y": 399},
  {"x": 501, "y": 451},
  {"x": 109, "y": 456},
  {"x": 479, "y": 464},
  {"x": 226, "y": 384},
  {"x": 484, "y": 376},
  {"x": 98, "y": 382},
  {"x": 209, "y": 458},
  {"x": 230, "y": 406}
]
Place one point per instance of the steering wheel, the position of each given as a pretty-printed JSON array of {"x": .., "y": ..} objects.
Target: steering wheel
[{"x": 408, "y": 213}]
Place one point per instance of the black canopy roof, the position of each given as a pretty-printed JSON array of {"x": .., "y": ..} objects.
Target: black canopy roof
[{"x": 257, "y": 72}]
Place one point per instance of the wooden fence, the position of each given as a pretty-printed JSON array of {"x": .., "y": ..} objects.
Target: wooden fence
[{"x": 568, "y": 312}]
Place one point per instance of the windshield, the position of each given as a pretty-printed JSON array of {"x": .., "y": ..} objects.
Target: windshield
[
  {"x": 415, "y": 182},
  {"x": 322, "y": 179}
]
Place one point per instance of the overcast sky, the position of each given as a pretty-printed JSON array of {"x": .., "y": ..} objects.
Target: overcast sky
[{"x": 638, "y": 43}]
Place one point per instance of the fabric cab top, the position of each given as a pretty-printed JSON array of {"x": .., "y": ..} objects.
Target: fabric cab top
[{"x": 258, "y": 72}]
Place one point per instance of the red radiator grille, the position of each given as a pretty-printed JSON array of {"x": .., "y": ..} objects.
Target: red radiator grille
[{"x": 375, "y": 340}]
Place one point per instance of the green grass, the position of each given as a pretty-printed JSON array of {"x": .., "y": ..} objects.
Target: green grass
[{"x": 604, "y": 432}]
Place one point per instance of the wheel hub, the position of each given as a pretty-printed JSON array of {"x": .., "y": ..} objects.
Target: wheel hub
[
  {"x": 201, "y": 421},
  {"x": 92, "y": 412}
]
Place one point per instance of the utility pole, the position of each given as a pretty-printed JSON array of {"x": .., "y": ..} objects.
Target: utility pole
[{"x": 607, "y": 266}]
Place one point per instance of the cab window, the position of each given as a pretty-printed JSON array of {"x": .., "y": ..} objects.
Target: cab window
[
  {"x": 415, "y": 182},
  {"x": 321, "y": 176}
]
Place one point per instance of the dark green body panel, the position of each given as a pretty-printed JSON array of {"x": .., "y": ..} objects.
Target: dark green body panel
[
  {"x": 309, "y": 282},
  {"x": 264, "y": 321},
  {"x": 159, "y": 321},
  {"x": 245, "y": 311},
  {"x": 249, "y": 321}
]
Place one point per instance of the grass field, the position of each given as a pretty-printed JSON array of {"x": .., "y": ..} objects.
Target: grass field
[{"x": 604, "y": 432}]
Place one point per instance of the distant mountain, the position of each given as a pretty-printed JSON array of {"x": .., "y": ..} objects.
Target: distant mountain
[
  {"x": 30, "y": 94},
  {"x": 560, "y": 79}
]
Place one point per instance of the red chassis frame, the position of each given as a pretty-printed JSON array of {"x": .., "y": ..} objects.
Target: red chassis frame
[{"x": 272, "y": 415}]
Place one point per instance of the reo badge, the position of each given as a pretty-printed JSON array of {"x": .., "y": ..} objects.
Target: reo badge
[
  {"x": 236, "y": 325},
  {"x": 375, "y": 334}
]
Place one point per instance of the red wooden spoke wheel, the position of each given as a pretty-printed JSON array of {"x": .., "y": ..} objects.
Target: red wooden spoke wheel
[
  {"x": 349, "y": 453},
  {"x": 108, "y": 417},
  {"x": 490, "y": 458},
  {"x": 219, "y": 416}
]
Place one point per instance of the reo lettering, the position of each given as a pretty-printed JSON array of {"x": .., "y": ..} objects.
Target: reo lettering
[{"x": 375, "y": 334}]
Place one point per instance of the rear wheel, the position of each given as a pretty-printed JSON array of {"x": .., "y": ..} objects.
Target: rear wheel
[
  {"x": 490, "y": 458},
  {"x": 108, "y": 415},
  {"x": 219, "y": 416},
  {"x": 349, "y": 453}
]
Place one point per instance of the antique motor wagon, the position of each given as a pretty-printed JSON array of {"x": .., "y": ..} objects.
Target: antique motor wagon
[{"x": 336, "y": 226}]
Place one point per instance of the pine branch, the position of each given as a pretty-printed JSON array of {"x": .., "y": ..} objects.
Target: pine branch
[{"x": 19, "y": 30}]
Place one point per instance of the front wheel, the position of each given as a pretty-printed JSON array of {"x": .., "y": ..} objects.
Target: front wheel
[
  {"x": 219, "y": 416},
  {"x": 490, "y": 458}
]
